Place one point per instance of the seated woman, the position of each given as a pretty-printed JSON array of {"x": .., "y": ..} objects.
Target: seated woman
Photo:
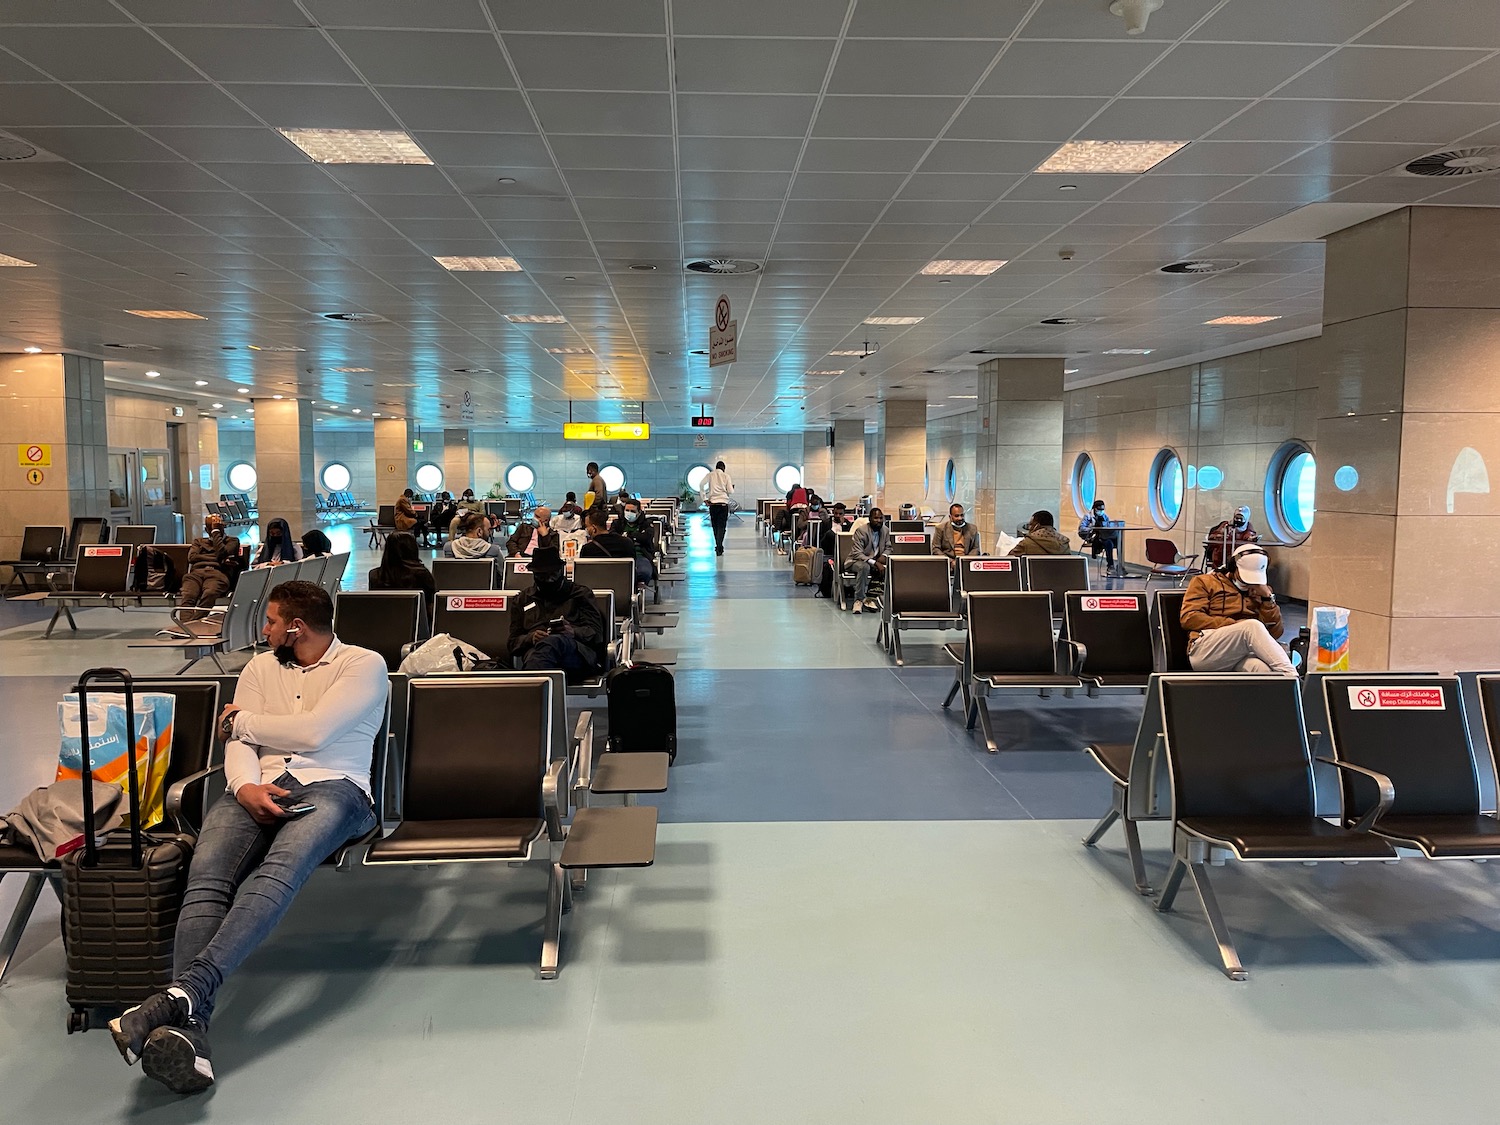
[
  {"x": 401, "y": 568},
  {"x": 472, "y": 540},
  {"x": 316, "y": 545},
  {"x": 278, "y": 546}
]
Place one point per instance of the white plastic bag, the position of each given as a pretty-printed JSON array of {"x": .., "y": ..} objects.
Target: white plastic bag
[
  {"x": 1004, "y": 542},
  {"x": 442, "y": 652}
]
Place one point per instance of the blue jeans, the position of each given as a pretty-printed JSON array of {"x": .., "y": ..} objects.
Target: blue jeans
[
  {"x": 267, "y": 865},
  {"x": 557, "y": 652}
]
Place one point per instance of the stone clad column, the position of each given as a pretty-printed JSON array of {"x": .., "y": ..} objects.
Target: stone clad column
[
  {"x": 848, "y": 460},
  {"x": 1408, "y": 442},
  {"x": 458, "y": 463},
  {"x": 817, "y": 462},
  {"x": 285, "y": 467},
  {"x": 901, "y": 453},
  {"x": 392, "y": 450},
  {"x": 1018, "y": 457}
]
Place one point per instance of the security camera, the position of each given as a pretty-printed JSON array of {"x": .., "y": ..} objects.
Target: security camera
[{"x": 1067, "y": 253}]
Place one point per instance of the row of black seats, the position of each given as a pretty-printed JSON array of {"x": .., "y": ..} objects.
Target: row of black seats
[
  {"x": 532, "y": 791},
  {"x": 1229, "y": 760}
]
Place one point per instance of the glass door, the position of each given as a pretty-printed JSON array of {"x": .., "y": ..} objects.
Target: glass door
[
  {"x": 124, "y": 487},
  {"x": 158, "y": 475}
]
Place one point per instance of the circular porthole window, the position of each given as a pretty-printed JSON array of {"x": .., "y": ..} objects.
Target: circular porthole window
[
  {"x": 336, "y": 476},
  {"x": 614, "y": 478},
  {"x": 241, "y": 476},
  {"x": 1291, "y": 492},
  {"x": 429, "y": 477},
  {"x": 950, "y": 481},
  {"x": 786, "y": 477},
  {"x": 696, "y": 476},
  {"x": 1085, "y": 482},
  {"x": 520, "y": 478},
  {"x": 1166, "y": 489}
]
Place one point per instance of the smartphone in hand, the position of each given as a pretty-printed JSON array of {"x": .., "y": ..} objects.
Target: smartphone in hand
[{"x": 294, "y": 807}]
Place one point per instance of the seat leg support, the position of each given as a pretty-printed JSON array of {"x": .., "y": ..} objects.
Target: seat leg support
[
  {"x": 1133, "y": 846},
  {"x": 958, "y": 682},
  {"x": 18, "y": 919},
  {"x": 552, "y": 926},
  {"x": 1105, "y": 823},
  {"x": 981, "y": 706},
  {"x": 1227, "y": 953},
  {"x": 895, "y": 631},
  {"x": 1174, "y": 881}
]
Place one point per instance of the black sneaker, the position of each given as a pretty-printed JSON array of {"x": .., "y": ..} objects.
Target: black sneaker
[
  {"x": 135, "y": 1025},
  {"x": 179, "y": 1058}
]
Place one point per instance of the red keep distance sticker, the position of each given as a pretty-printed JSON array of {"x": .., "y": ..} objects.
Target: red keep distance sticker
[
  {"x": 491, "y": 602},
  {"x": 910, "y": 537},
  {"x": 992, "y": 564},
  {"x": 1377, "y": 698},
  {"x": 1129, "y": 603},
  {"x": 104, "y": 552}
]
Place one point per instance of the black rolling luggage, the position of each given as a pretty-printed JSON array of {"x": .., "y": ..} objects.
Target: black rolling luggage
[
  {"x": 120, "y": 901},
  {"x": 642, "y": 709}
]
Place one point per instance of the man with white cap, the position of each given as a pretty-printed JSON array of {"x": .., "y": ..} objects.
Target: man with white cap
[{"x": 1232, "y": 618}]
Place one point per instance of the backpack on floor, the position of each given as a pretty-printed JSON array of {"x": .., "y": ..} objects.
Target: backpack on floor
[
  {"x": 642, "y": 709},
  {"x": 807, "y": 566}
]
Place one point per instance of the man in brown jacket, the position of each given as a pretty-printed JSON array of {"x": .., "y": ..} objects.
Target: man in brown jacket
[
  {"x": 1042, "y": 537},
  {"x": 1232, "y": 618}
]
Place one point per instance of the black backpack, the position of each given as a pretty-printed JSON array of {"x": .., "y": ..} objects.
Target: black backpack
[{"x": 154, "y": 573}]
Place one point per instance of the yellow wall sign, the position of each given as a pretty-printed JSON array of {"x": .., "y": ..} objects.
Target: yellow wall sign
[
  {"x": 606, "y": 431},
  {"x": 34, "y": 456},
  {"x": 34, "y": 476}
]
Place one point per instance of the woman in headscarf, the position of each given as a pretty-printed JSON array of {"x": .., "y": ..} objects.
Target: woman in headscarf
[{"x": 277, "y": 546}]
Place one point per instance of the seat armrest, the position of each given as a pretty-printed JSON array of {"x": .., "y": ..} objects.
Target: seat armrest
[
  {"x": 581, "y": 751},
  {"x": 555, "y": 801},
  {"x": 1080, "y": 653},
  {"x": 177, "y": 793},
  {"x": 1387, "y": 792}
]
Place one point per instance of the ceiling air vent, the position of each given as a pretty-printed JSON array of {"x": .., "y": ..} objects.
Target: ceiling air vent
[
  {"x": 355, "y": 317},
  {"x": 14, "y": 148},
  {"x": 1457, "y": 162},
  {"x": 1202, "y": 265},
  {"x": 1067, "y": 321},
  {"x": 722, "y": 266},
  {"x": 134, "y": 347}
]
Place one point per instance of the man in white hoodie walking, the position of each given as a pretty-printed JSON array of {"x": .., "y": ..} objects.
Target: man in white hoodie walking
[{"x": 719, "y": 489}]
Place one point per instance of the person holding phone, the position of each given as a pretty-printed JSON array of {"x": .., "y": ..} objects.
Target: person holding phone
[
  {"x": 298, "y": 742},
  {"x": 555, "y": 622}
]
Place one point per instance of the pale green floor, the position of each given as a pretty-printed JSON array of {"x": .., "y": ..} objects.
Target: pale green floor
[{"x": 820, "y": 967}]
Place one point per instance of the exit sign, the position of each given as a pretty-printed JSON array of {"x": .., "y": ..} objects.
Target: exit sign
[
  {"x": 703, "y": 421},
  {"x": 416, "y": 445}
]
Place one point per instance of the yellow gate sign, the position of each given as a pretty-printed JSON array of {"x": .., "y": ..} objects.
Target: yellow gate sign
[
  {"x": 34, "y": 456},
  {"x": 606, "y": 431}
]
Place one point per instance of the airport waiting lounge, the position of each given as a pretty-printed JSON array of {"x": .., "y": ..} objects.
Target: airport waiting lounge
[{"x": 675, "y": 561}]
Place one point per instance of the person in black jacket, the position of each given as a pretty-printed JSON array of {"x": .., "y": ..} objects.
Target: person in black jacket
[
  {"x": 633, "y": 525},
  {"x": 837, "y": 521},
  {"x": 607, "y": 543},
  {"x": 577, "y": 643},
  {"x": 401, "y": 569}
]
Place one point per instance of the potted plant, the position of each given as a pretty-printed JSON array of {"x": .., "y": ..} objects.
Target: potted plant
[{"x": 688, "y": 495}]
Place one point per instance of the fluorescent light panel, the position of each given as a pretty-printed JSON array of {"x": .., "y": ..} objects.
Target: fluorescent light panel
[
  {"x": 7, "y": 260},
  {"x": 1242, "y": 320},
  {"x": 840, "y": 371},
  {"x": 352, "y": 370},
  {"x": 894, "y": 319},
  {"x": 848, "y": 351},
  {"x": 1109, "y": 156},
  {"x": 963, "y": 267},
  {"x": 535, "y": 318},
  {"x": 357, "y": 146},
  {"x": 479, "y": 264},
  {"x": 1128, "y": 351},
  {"x": 570, "y": 351},
  {"x": 165, "y": 314}
]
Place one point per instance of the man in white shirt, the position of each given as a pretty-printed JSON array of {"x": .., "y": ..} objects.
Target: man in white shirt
[
  {"x": 298, "y": 740},
  {"x": 719, "y": 488}
]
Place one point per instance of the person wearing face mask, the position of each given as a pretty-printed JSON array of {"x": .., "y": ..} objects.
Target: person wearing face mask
[
  {"x": 213, "y": 561},
  {"x": 278, "y": 545},
  {"x": 569, "y": 515},
  {"x": 297, "y": 744},
  {"x": 473, "y": 539},
  {"x": 531, "y": 536},
  {"x": 867, "y": 551},
  {"x": 1095, "y": 533},
  {"x": 555, "y": 622},
  {"x": 956, "y": 538},
  {"x": 1232, "y": 618},
  {"x": 1225, "y": 536},
  {"x": 633, "y": 525}
]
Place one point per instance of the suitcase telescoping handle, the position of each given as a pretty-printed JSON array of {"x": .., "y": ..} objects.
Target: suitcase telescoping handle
[{"x": 123, "y": 678}]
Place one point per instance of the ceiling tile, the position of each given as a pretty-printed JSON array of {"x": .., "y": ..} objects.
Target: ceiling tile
[
  {"x": 260, "y": 54},
  {"x": 427, "y": 58},
  {"x": 1229, "y": 157},
  {"x": 496, "y": 151},
  {"x": 622, "y": 17},
  {"x": 987, "y": 156},
  {"x": 743, "y": 115},
  {"x": 1479, "y": 83},
  {"x": 1223, "y": 70},
  {"x": 1068, "y": 19},
  {"x": 44, "y": 104},
  {"x": 735, "y": 185},
  {"x": 1350, "y": 159},
  {"x": 1425, "y": 123},
  {"x": 748, "y": 154},
  {"x": 91, "y": 146},
  {"x": 257, "y": 145},
  {"x": 1024, "y": 119},
  {"x": 751, "y": 66},
  {"x": 454, "y": 15},
  {"x": 1380, "y": 73},
  {"x": 611, "y": 183},
  {"x": 862, "y": 155},
  {"x": 314, "y": 107},
  {"x": 97, "y": 54},
  {"x": 1441, "y": 23},
  {"x": 306, "y": 177},
  {"x": 271, "y": 13},
  {"x": 843, "y": 115},
  {"x": 957, "y": 19},
  {"x": 604, "y": 113},
  {"x": 1302, "y": 119},
  {"x": 1160, "y": 119},
  {"x": 1041, "y": 69},
  {"x": 613, "y": 152},
  {"x": 589, "y": 62},
  {"x": 885, "y": 66},
  {"x": 846, "y": 185},
  {"x": 958, "y": 185}
]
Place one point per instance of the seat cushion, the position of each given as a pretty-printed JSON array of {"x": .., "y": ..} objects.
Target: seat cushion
[
  {"x": 425, "y": 841},
  {"x": 1121, "y": 681},
  {"x": 1035, "y": 681},
  {"x": 1452, "y": 836},
  {"x": 927, "y": 615},
  {"x": 15, "y": 859},
  {"x": 1114, "y": 757},
  {"x": 1289, "y": 838},
  {"x": 955, "y": 651}
]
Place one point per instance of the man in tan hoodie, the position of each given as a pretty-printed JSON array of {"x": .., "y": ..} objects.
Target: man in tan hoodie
[{"x": 1232, "y": 618}]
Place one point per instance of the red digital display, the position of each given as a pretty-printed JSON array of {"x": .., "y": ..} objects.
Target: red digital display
[{"x": 703, "y": 422}]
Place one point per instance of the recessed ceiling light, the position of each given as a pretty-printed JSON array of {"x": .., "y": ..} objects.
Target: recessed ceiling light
[
  {"x": 894, "y": 319},
  {"x": 1110, "y": 156},
  {"x": 479, "y": 264},
  {"x": 506, "y": 180},
  {"x": 274, "y": 348},
  {"x": 569, "y": 277},
  {"x": 963, "y": 396},
  {"x": 535, "y": 318},
  {"x": 848, "y": 351},
  {"x": 357, "y": 410},
  {"x": 249, "y": 410},
  {"x": 698, "y": 351},
  {"x": 374, "y": 414},
  {"x": 153, "y": 374},
  {"x": 642, "y": 267},
  {"x": 218, "y": 406},
  {"x": 276, "y": 396},
  {"x": 165, "y": 314},
  {"x": 32, "y": 350},
  {"x": 1067, "y": 187},
  {"x": 357, "y": 146},
  {"x": 352, "y": 370},
  {"x": 7, "y": 260},
  {"x": 244, "y": 390},
  {"x": 1242, "y": 320},
  {"x": 963, "y": 267},
  {"x": 1128, "y": 351},
  {"x": 839, "y": 371},
  {"x": 570, "y": 351},
  {"x": 200, "y": 382},
  {"x": 1067, "y": 321},
  {"x": 1070, "y": 371}
]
